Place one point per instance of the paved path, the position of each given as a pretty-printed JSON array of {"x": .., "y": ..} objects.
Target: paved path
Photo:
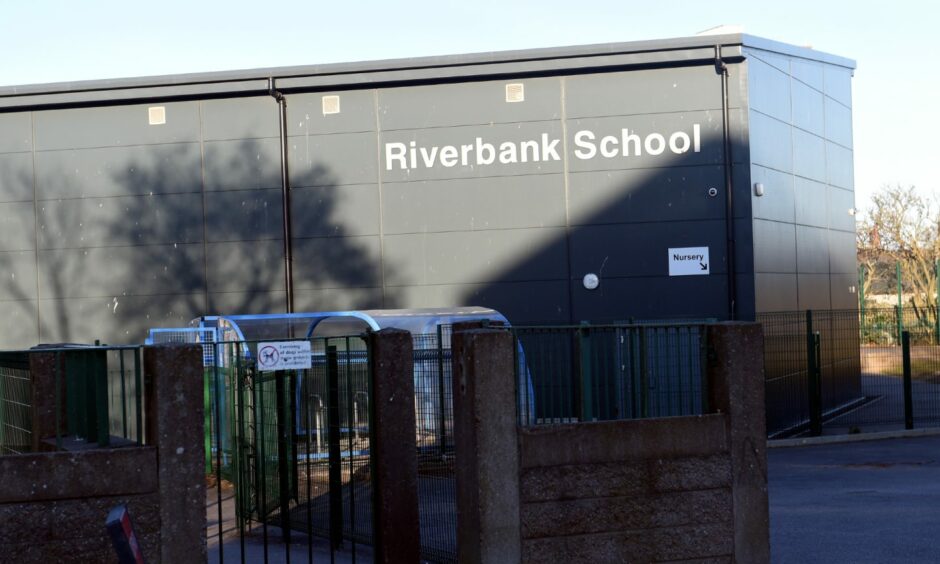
[{"x": 857, "y": 502}]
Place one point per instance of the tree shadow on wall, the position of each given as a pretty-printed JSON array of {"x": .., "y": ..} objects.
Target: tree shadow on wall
[{"x": 148, "y": 247}]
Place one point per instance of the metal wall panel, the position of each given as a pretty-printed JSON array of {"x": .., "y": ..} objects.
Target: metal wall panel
[
  {"x": 139, "y": 170},
  {"x": 812, "y": 250},
  {"x": 120, "y": 271},
  {"x": 245, "y": 266},
  {"x": 507, "y": 202},
  {"x": 814, "y": 147},
  {"x": 643, "y": 195},
  {"x": 778, "y": 201},
  {"x": 466, "y": 257},
  {"x": 642, "y": 92},
  {"x": 114, "y": 126},
  {"x": 777, "y": 247},
  {"x": 338, "y": 262},
  {"x": 811, "y": 203},
  {"x": 674, "y": 297},
  {"x": 357, "y": 114},
  {"x": 809, "y": 155},
  {"x": 473, "y": 103},
  {"x": 143, "y": 220},
  {"x": 16, "y": 177},
  {"x": 349, "y": 210},
  {"x": 776, "y": 292}
]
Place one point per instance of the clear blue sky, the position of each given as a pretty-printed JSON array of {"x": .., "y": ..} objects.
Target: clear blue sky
[{"x": 896, "y": 115}]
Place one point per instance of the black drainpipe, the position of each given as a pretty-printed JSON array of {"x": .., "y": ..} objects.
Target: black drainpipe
[
  {"x": 285, "y": 196},
  {"x": 722, "y": 70}
]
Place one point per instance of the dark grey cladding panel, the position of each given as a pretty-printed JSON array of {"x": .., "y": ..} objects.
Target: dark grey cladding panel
[
  {"x": 840, "y": 167},
  {"x": 769, "y": 89},
  {"x": 19, "y": 325},
  {"x": 774, "y": 246},
  {"x": 327, "y": 160},
  {"x": 840, "y": 202},
  {"x": 16, "y": 177},
  {"x": 118, "y": 171},
  {"x": 247, "y": 303},
  {"x": 499, "y": 152},
  {"x": 647, "y": 91},
  {"x": 16, "y": 132},
  {"x": 812, "y": 203},
  {"x": 812, "y": 249},
  {"x": 814, "y": 292},
  {"x": 544, "y": 301},
  {"x": 245, "y": 266},
  {"x": 645, "y": 141},
  {"x": 808, "y": 72},
  {"x": 132, "y": 220},
  {"x": 242, "y": 164},
  {"x": 775, "y": 292},
  {"x": 619, "y": 299},
  {"x": 842, "y": 252},
  {"x": 337, "y": 299},
  {"x": 642, "y": 249},
  {"x": 17, "y": 226},
  {"x": 245, "y": 215},
  {"x": 743, "y": 190},
  {"x": 461, "y": 257},
  {"x": 17, "y": 275},
  {"x": 474, "y": 203},
  {"x": 472, "y": 103},
  {"x": 744, "y": 248},
  {"x": 121, "y": 272},
  {"x": 339, "y": 262},
  {"x": 335, "y": 211},
  {"x": 838, "y": 123},
  {"x": 305, "y": 113},
  {"x": 809, "y": 155},
  {"x": 87, "y": 319},
  {"x": 113, "y": 126},
  {"x": 770, "y": 142},
  {"x": 844, "y": 291},
  {"x": 808, "y": 108},
  {"x": 624, "y": 196},
  {"x": 778, "y": 201},
  {"x": 838, "y": 82},
  {"x": 240, "y": 118}
]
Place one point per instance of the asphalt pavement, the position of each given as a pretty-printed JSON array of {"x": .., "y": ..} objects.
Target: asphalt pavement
[{"x": 858, "y": 502}]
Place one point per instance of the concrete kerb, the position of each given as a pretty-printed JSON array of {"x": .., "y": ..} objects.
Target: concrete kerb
[{"x": 854, "y": 438}]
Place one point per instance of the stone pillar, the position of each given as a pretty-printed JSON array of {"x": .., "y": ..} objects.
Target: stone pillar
[
  {"x": 43, "y": 367},
  {"x": 396, "y": 530},
  {"x": 175, "y": 425},
  {"x": 736, "y": 389},
  {"x": 487, "y": 454}
]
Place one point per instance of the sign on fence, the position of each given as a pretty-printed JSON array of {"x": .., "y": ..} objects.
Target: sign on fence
[{"x": 284, "y": 355}]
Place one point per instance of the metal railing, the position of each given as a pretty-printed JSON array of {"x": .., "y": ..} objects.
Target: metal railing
[
  {"x": 597, "y": 373},
  {"x": 77, "y": 396},
  {"x": 844, "y": 371}
]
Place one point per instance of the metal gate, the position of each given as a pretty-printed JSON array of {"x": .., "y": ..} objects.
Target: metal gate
[{"x": 290, "y": 454}]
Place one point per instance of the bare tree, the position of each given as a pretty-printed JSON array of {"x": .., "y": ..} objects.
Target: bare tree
[{"x": 902, "y": 227}]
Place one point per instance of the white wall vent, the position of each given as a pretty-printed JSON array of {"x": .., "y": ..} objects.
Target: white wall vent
[
  {"x": 515, "y": 92},
  {"x": 330, "y": 105},
  {"x": 156, "y": 115}
]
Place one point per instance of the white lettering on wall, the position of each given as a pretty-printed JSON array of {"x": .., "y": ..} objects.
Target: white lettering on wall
[{"x": 484, "y": 152}]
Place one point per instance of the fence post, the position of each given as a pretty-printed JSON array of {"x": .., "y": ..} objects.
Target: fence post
[
  {"x": 813, "y": 380},
  {"x": 486, "y": 447},
  {"x": 908, "y": 387},
  {"x": 396, "y": 528},
  {"x": 335, "y": 464}
]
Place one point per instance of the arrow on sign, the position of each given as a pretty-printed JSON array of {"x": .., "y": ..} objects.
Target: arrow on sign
[{"x": 704, "y": 266}]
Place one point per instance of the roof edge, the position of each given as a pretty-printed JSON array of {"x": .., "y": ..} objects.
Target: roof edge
[{"x": 247, "y": 81}]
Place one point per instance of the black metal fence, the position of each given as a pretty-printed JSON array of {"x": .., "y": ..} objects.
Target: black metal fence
[
  {"x": 89, "y": 394},
  {"x": 597, "y": 373},
  {"x": 844, "y": 371},
  {"x": 290, "y": 454}
]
